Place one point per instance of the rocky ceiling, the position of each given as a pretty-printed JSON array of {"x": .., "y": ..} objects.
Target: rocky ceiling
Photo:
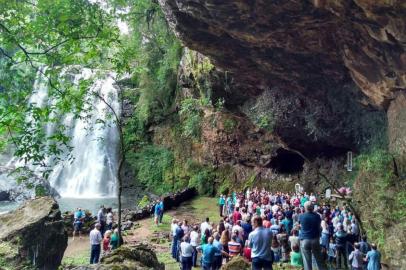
[
  {"x": 327, "y": 70},
  {"x": 299, "y": 45}
]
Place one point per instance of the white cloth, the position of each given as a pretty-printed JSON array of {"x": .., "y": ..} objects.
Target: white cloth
[
  {"x": 205, "y": 225},
  {"x": 185, "y": 229},
  {"x": 109, "y": 219},
  {"x": 194, "y": 238},
  {"x": 174, "y": 226},
  {"x": 186, "y": 249},
  {"x": 95, "y": 237},
  {"x": 239, "y": 229}
]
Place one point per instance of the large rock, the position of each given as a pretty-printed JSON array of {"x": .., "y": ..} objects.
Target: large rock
[
  {"x": 33, "y": 236},
  {"x": 397, "y": 131},
  {"x": 321, "y": 63},
  {"x": 13, "y": 189},
  {"x": 138, "y": 257},
  {"x": 300, "y": 45}
]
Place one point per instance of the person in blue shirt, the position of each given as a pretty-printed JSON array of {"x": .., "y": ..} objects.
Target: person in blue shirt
[
  {"x": 161, "y": 208},
  {"x": 373, "y": 258},
  {"x": 209, "y": 251},
  {"x": 218, "y": 257},
  {"x": 78, "y": 218},
  {"x": 222, "y": 202},
  {"x": 157, "y": 212},
  {"x": 260, "y": 243},
  {"x": 179, "y": 233},
  {"x": 247, "y": 227},
  {"x": 309, "y": 235}
]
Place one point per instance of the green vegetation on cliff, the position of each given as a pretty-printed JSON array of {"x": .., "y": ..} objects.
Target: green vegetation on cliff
[{"x": 380, "y": 197}]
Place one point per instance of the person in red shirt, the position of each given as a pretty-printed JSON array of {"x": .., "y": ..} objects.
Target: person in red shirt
[
  {"x": 236, "y": 215},
  {"x": 247, "y": 251},
  {"x": 106, "y": 243},
  {"x": 266, "y": 223}
]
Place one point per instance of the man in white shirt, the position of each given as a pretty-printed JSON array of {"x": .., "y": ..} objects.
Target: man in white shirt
[
  {"x": 95, "y": 240},
  {"x": 205, "y": 225},
  {"x": 186, "y": 251},
  {"x": 174, "y": 226},
  {"x": 194, "y": 241}
]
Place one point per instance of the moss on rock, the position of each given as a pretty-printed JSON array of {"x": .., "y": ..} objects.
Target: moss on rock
[{"x": 236, "y": 263}]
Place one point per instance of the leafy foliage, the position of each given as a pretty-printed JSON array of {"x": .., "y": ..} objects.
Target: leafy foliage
[
  {"x": 382, "y": 198},
  {"x": 52, "y": 34}
]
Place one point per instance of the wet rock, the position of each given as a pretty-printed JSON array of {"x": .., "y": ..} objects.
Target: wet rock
[
  {"x": 4, "y": 196},
  {"x": 88, "y": 222},
  {"x": 29, "y": 188},
  {"x": 34, "y": 235}
]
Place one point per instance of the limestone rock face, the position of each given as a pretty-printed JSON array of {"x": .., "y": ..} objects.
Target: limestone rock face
[{"x": 35, "y": 234}]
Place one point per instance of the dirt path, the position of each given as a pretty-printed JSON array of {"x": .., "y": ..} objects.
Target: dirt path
[
  {"x": 77, "y": 246},
  {"x": 158, "y": 236},
  {"x": 194, "y": 211}
]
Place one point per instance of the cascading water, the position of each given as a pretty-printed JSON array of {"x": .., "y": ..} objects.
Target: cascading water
[{"x": 91, "y": 173}]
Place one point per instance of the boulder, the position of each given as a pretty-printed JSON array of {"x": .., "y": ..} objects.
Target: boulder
[
  {"x": 88, "y": 224},
  {"x": 33, "y": 236},
  {"x": 236, "y": 263},
  {"x": 138, "y": 257},
  {"x": 13, "y": 190}
]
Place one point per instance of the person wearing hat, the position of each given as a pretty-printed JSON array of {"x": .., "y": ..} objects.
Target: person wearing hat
[{"x": 95, "y": 240}]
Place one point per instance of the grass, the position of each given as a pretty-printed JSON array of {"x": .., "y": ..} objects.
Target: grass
[
  {"x": 81, "y": 258},
  {"x": 165, "y": 226},
  {"x": 203, "y": 207},
  {"x": 166, "y": 258}
]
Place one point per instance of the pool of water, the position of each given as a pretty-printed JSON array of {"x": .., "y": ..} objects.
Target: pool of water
[
  {"x": 70, "y": 204},
  {"x": 7, "y": 206},
  {"x": 93, "y": 205}
]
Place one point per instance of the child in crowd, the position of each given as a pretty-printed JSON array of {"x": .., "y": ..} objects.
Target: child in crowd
[
  {"x": 296, "y": 257},
  {"x": 276, "y": 248},
  {"x": 331, "y": 252},
  {"x": 356, "y": 258},
  {"x": 106, "y": 243}
]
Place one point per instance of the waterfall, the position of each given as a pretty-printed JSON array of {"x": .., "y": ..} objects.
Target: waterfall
[
  {"x": 94, "y": 137},
  {"x": 92, "y": 173}
]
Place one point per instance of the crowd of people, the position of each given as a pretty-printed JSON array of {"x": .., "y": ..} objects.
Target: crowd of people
[
  {"x": 103, "y": 238},
  {"x": 265, "y": 228}
]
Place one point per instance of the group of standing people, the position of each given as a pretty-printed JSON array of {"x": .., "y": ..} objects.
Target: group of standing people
[
  {"x": 103, "y": 238},
  {"x": 266, "y": 227}
]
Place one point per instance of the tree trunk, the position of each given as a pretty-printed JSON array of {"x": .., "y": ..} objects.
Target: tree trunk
[{"x": 119, "y": 191}]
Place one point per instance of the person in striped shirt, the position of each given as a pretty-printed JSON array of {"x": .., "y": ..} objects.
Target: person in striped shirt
[{"x": 234, "y": 247}]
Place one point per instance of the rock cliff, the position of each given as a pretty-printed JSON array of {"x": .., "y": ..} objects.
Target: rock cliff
[
  {"x": 313, "y": 78},
  {"x": 324, "y": 62},
  {"x": 33, "y": 236}
]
